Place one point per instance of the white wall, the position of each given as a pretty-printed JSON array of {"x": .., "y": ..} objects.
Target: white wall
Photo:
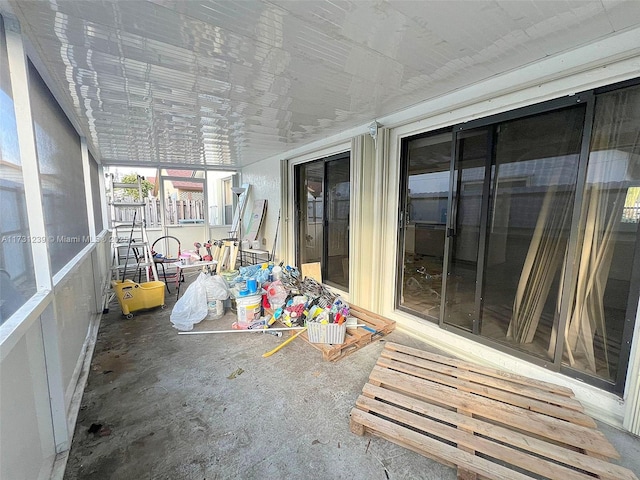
[
  {"x": 187, "y": 234},
  {"x": 264, "y": 178},
  {"x": 27, "y": 448},
  {"x": 76, "y": 308},
  {"x": 29, "y": 360}
]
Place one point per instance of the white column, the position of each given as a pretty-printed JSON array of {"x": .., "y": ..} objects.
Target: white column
[
  {"x": 286, "y": 249},
  {"x": 632, "y": 395},
  {"x": 103, "y": 198},
  {"x": 364, "y": 242},
  {"x": 33, "y": 192},
  {"x": 163, "y": 207},
  {"x": 86, "y": 171}
]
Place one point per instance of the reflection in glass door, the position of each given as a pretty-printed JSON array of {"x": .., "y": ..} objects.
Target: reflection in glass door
[
  {"x": 472, "y": 151},
  {"x": 310, "y": 204},
  {"x": 427, "y": 162},
  {"x": 514, "y": 185},
  {"x": 532, "y": 195},
  {"x": 600, "y": 325},
  {"x": 336, "y": 264},
  {"x": 323, "y": 204}
]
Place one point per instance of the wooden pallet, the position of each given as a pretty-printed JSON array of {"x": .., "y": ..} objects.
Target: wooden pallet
[
  {"x": 356, "y": 338},
  {"x": 484, "y": 422}
]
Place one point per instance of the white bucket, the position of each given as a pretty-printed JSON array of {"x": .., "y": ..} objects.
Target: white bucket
[
  {"x": 216, "y": 309},
  {"x": 248, "y": 308}
]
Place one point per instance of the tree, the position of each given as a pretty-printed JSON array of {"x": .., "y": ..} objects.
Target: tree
[{"x": 147, "y": 186}]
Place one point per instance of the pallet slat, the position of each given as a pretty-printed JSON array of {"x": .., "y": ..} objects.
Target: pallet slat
[
  {"x": 481, "y": 421},
  {"x": 438, "y": 450},
  {"x": 509, "y": 398},
  {"x": 512, "y": 377},
  {"x": 466, "y": 440},
  {"x": 478, "y": 378}
]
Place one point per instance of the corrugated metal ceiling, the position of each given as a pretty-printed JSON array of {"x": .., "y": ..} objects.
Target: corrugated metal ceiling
[{"x": 228, "y": 83}]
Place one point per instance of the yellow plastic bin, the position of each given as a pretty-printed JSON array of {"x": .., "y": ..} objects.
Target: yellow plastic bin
[{"x": 134, "y": 296}]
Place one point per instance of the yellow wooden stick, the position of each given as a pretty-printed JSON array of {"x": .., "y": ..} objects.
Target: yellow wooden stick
[{"x": 268, "y": 354}]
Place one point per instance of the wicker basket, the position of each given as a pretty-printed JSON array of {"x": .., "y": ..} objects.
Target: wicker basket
[{"x": 329, "y": 333}]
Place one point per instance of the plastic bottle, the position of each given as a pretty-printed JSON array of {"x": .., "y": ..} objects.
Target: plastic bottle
[{"x": 277, "y": 273}]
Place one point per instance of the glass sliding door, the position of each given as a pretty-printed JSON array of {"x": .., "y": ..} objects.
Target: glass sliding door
[
  {"x": 426, "y": 164},
  {"x": 470, "y": 169},
  {"x": 600, "y": 324},
  {"x": 532, "y": 193},
  {"x": 337, "y": 222},
  {"x": 513, "y": 190},
  {"x": 310, "y": 207},
  {"x": 538, "y": 249},
  {"x": 323, "y": 204}
]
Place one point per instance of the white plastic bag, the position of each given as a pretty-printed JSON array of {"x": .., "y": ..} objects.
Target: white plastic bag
[
  {"x": 191, "y": 308},
  {"x": 276, "y": 294},
  {"x": 217, "y": 288}
]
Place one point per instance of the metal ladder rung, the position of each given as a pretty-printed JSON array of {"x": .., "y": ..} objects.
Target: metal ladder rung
[
  {"x": 133, "y": 244},
  {"x": 128, "y": 224},
  {"x": 127, "y": 204},
  {"x": 131, "y": 265}
]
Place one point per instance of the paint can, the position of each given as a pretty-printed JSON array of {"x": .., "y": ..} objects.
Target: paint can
[
  {"x": 216, "y": 309},
  {"x": 249, "y": 308}
]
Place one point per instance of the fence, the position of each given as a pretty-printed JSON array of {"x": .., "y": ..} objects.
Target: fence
[{"x": 177, "y": 212}]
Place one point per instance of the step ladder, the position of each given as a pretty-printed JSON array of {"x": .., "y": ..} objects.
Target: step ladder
[
  {"x": 130, "y": 248},
  {"x": 225, "y": 252}
]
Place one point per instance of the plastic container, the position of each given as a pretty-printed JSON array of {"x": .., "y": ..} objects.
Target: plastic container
[
  {"x": 252, "y": 285},
  {"x": 216, "y": 307},
  {"x": 276, "y": 272},
  {"x": 229, "y": 277},
  {"x": 330, "y": 333},
  {"x": 249, "y": 308},
  {"x": 134, "y": 296}
]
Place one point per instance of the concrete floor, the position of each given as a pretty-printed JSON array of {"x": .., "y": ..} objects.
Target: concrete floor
[{"x": 171, "y": 408}]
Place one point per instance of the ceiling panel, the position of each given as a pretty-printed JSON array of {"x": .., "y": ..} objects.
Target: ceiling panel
[{"x": 230, "y": 83}]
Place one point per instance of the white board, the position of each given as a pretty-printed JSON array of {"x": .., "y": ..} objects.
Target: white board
[{"x": 255, "y": 222}]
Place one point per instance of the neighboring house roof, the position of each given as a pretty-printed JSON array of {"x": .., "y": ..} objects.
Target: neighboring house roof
[
  {"x": 192, "y": 186},
  {"x": 180, "y": 173},
  {"x": 195, "y": 187}
]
